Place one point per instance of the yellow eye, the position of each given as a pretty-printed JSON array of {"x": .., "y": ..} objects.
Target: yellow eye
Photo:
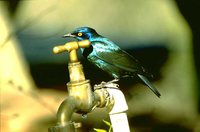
[{"x": 80, "y": 34}]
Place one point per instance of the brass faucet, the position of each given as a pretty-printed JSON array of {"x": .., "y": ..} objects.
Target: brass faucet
[{"x": 81, "y": 99}]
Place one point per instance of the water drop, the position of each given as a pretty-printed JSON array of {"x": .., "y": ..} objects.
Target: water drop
[{"x": 84, "y": 116}]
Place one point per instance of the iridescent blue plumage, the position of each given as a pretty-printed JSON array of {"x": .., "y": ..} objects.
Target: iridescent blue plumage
[{"x": 109, "y": 57}]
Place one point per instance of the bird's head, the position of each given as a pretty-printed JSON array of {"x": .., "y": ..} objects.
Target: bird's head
[{"x": 82, "y": 33}]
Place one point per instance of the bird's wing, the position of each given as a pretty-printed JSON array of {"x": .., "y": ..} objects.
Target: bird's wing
[{"x": 119, "y": 58}]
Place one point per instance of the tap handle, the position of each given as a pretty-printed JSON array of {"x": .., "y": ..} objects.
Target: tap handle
[{"x": 71, "y": 47}]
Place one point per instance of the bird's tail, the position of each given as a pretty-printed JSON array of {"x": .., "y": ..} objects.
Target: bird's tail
[{"x": 146, "y": 81}]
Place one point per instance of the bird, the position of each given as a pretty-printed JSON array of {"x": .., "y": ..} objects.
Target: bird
[{"x": 109, "y": 57}]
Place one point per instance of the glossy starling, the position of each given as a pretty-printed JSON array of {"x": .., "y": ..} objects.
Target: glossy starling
[{"x": 106, "y": 55}]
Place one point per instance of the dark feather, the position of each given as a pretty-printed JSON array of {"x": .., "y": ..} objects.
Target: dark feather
[{"x": 146, "y": 81}]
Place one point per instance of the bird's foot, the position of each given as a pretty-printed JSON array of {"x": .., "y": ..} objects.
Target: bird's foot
[{"x": 110, "y": 84}]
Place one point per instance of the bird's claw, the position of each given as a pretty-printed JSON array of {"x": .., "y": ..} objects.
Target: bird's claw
[
  {"x": 114, "y": 80},
  {"x": 110, "y": 84}
]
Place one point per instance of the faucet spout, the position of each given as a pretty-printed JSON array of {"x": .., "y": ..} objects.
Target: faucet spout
[{"x": 66, "y": 110}]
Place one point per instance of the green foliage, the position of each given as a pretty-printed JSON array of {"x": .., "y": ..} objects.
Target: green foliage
[{"x": 102, "y": 130}]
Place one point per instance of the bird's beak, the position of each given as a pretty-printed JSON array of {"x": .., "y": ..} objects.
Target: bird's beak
[{"x": 68, "y": 35}]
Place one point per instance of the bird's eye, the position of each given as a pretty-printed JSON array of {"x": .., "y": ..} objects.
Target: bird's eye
[{"x": 80, "y": 34}]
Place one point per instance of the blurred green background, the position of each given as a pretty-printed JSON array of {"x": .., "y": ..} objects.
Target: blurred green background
[{"x": 163, "y": 34}]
